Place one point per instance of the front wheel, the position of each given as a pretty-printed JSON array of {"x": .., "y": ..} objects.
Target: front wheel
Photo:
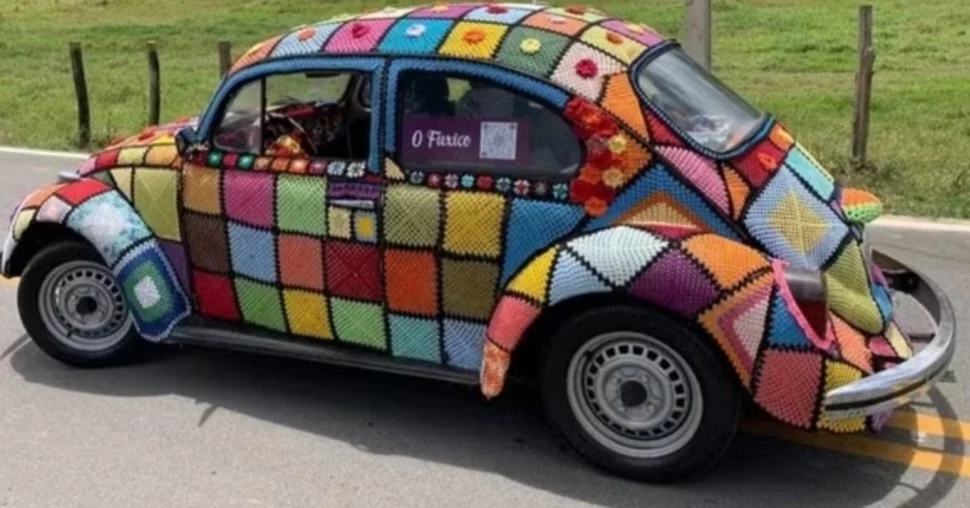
[
  {"x": 638, "y": 394},
  {"x": 74, "y": 309}
]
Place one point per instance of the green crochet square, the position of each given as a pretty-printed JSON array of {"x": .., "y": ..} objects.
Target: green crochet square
[
  {"x": 412, "y": 216},
  {"x": 359, "y": 323},
  {"x": 301, "y": 204},
  {"x": 545, "y": 56},
  {"x": 260, "y": 304}
]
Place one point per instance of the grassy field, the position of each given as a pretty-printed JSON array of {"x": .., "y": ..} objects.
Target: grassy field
[{"x": 795, "y": 58}]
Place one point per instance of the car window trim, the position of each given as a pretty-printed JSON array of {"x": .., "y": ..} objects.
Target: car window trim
[
  {"x": 550, "y": 107},
  {"x": 760, "y": 129}
]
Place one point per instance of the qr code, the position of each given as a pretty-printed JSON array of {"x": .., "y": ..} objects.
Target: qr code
[{"x": 498, "y": 141}]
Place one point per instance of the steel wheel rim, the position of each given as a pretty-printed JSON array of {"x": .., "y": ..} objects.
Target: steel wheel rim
[
  {"x": 634, "y": 395},
  {"x": 83, "y": 307}
]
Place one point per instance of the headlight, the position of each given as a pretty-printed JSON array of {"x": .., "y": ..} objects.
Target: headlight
[{"x": 810, "y": 292}]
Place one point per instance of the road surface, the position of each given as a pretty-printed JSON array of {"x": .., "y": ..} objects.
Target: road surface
[{"x": 201, "y": 428}]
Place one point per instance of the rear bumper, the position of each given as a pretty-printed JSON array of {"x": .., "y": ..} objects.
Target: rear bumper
[{"x": 899, "y": 385}]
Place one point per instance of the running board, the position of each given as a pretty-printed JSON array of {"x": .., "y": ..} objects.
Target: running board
[{"x": 262, "y": 343}]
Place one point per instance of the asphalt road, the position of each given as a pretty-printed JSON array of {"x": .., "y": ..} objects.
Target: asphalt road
[{"x": 216, "y": 429}]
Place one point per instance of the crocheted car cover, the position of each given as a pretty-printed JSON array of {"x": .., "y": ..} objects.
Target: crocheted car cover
[{"x": 452, "y": 267}]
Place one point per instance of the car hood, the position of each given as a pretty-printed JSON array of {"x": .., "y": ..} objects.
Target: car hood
[{"x": 153, "y": 146}]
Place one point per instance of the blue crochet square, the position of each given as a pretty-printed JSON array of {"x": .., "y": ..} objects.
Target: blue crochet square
[
  {"x": 464, "y": 341},
  {"x": 415, "y": 36},
  {"x": 253, "y": 252}
]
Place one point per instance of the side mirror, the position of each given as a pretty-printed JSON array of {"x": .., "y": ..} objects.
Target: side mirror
[{"x": 184, "y": 139}]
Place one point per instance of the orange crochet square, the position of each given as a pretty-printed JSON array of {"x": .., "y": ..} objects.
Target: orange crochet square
[
  {"x": 301, "y": 261},
  {"x": 556, "y": 23},
  {"x": 411, "y": 280}
]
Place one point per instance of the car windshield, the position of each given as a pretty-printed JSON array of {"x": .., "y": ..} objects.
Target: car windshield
[{"x": 696, "y": 102}]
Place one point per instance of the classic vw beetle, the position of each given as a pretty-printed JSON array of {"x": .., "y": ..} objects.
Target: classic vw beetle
[{"x": 451, "y": 191}]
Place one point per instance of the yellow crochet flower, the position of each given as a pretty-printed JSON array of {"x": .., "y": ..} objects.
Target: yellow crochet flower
[
  {"x": 439, "y": 8},
  {"x": 531, "y": 46},
  {"x": 635, "y": 28},
  {"x": 617, "y": 144},
  {"x": 613, "y": 177}
]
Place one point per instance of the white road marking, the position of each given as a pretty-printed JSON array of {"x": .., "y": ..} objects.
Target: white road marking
[
  {"x": 901, "y": 222},
  {"x": 43, "y": 153}
]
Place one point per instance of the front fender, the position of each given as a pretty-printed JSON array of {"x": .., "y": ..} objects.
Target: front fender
[
  {"x": 102, "y": 216},
  {"x": 725, "y": 291}
]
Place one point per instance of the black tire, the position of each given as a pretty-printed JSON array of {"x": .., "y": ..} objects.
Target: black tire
[
  {"x": 128, "y": 349},
  {"x": 721, "y": 400}
]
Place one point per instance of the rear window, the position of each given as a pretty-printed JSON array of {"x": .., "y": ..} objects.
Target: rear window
[{"x": 696, "y": 102}]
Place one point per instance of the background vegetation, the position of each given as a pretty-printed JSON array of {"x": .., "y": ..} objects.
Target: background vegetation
[{"x": 795, "y": 58}]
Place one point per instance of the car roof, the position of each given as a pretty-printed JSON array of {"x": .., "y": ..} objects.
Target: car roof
[{"x": 557, "y": 44}]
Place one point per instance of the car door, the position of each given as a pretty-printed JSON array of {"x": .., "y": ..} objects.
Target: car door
[
  {"x": 476, "y": 184},
  {"x": 281, "y": 207}
]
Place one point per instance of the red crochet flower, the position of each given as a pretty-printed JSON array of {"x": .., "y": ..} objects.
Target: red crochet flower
[
  {"x": 586, "y": 68},
  {"x": 496, "y": 9},
  {"x": 601, "y": 158},
  {"x": 591, "y": 174},
  {"x": 768, "y": 162},
  {"x": 484, "y": 182},
  {"x": 474, "y": 36},
  {"x": 595, "y": 207},
  {"x": 358, "y": 30},
  {"x": 614, "y": 38},
  {"x": 576, "y": 9},
  {"x": 306, "y": 34},
  {"x": 580, "y": 190}
]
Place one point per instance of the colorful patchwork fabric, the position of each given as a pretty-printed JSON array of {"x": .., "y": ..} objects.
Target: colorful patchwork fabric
[
  {"x": 734, "y": 294},
  {"x": 453, "y": 267},
  {"x": 141, "y": 261}
]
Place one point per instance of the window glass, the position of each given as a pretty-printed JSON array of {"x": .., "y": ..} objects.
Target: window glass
[
  {"x": 460, "y": 124},
  {"x": 697, "y": 102},
  {"x": 297, "y": 114}
]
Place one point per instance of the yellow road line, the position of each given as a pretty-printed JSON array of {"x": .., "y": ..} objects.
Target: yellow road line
[
  {"x": 12, "y": 283},
  {"x": 930, "y": 425},
  {"x": 866, "y": 447}
]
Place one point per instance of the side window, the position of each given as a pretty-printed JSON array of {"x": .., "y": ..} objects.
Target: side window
[
  {"x": 451, "y": 123},
  {"x": 304, "y": 114}
]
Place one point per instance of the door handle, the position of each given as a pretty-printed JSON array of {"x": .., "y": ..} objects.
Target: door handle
[{"x": 362, "y": 204}]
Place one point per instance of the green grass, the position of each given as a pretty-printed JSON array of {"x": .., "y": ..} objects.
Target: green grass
[{"x": 795, "y": 58}]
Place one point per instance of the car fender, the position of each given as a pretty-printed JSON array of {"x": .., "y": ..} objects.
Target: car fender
[
  {"x": 722, "y": 290},
  {"x": 106, "y": 219}
]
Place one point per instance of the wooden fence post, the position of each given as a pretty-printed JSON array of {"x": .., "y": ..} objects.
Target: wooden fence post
[
  {"x": 863, "y": 86},
  {"x": 154, "y": 85},
  {"x": 698, "y": 31},
  {"x": 225, "y": 57},
  {"x": 81, "y": 92}
]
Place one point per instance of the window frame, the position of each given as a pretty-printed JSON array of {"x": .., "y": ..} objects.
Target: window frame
[
  {"x": 548, "y": 106},
  {"x": 757, "y": 133},
  {"x": 376, "y": 67},
  {"x": 351, "y": 90}
]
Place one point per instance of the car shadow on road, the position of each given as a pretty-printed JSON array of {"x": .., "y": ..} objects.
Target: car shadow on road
[{"x": 452, "y": 425}]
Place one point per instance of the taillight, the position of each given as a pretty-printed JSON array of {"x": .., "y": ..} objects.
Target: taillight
[{"x": 809, "y": 291}]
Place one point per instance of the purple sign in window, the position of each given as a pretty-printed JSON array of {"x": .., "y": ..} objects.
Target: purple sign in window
[{"x": 465, "y": 141}]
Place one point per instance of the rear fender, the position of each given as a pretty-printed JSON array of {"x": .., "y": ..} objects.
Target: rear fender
[
  {"x": 102, "y": 216},
  {"x": 724, "y": 291}
]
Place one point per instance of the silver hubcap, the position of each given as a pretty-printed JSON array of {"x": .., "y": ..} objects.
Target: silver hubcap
[
  {"x": 83, "y": 306},
  {"x": 634, "y": 395}
]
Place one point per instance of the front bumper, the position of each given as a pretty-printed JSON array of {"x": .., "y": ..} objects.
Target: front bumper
[{"x": 898, "y": 385}]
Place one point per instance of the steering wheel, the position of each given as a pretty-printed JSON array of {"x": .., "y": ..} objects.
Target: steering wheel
[{"x": 272, "y": 121}]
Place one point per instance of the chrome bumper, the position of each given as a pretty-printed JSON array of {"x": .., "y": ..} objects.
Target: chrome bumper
[{"x": 899, "y": 385}]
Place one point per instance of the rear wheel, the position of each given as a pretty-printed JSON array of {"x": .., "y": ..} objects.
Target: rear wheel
[
  {"x": 74, "y": 309},
  {"x": 638, "y": 394}
]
